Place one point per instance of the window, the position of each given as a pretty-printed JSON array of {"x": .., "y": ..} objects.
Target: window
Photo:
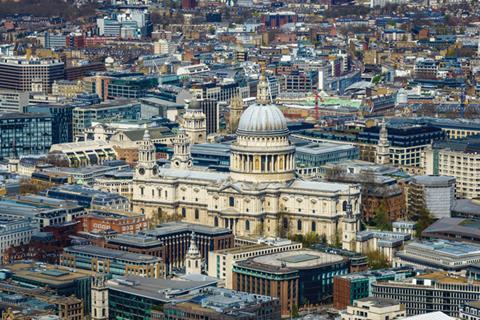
[
  {"x": 314, "y": 226},
  {"x": 184, "y": 212},
  {"x": 247, "y": 225},
  {"x": 231, "y": 201},
  {"x": 344, "y": 206},
  {"x": 215, "y": 222},
  {"x": 285, "y": 223},
  {"x": 142, "y": 190},
  {"x": 197, "y": 214},
  {"x": 299, "y": 225}
]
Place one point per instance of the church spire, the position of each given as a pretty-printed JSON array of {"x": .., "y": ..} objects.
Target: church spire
[
  {"x": 193, "y": 259},
  {"x": 383, "y": 147}
]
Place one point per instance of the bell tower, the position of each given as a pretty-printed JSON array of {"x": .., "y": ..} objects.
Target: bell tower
[
  {"x": 147, "y": 165},
  {"x": 181, "y": 158},
  {"x": 99, "y": 298}
]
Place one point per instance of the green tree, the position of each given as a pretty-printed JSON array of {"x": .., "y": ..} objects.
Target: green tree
[
  {"x": 377, "y": 260},
  {"x": 424, "y": 219},
  {"x": 294, "y": 313},
  {"x": 381, "y": 219}
]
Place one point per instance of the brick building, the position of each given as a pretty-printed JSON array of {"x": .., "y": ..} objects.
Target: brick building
[{"x": 120, "y": 222}]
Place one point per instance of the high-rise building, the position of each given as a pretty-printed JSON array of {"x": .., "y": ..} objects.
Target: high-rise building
[
  {"x": 19, "y": 73},
  {"x": 25, "y": 134},
  {"x": 459, "y": 159},
  {"x": 212, "y": 114},
  {"x": 434, "y": 193}
]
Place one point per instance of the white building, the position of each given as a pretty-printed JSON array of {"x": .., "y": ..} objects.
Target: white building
[
  {"x": 259, "y": 196},
  {"x": 221, "y": 262},
  {"x": 374, "y": 309},
  {"x": 15, "y": 231}
]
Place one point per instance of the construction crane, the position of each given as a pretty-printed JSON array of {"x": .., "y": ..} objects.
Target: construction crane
[{"x": 317, "y": 109}]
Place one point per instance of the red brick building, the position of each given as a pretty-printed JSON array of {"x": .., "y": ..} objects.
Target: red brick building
[{"x": 97, "y": 221}]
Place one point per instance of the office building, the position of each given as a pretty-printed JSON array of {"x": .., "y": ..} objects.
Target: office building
[
  {"x": 136, "y": 297},
  {"x": 60, "y": 280},
  {"x": 221, "y": 261},
  {"x": 294, "y": 277},
  {"x": 62, "y": 120},
  {"x": 459, "y": 159},
  {"x": 310, "y": 157},
  {"x": 13, "y": 101},
  {"x": 438, "y": 254},
  {"x": 25, "y": 134},
  {"x": 455, "y": 229},
  {"x": 354, "y": 286},
  {"x": 43, "y": 211},
  {"x": 434, "y": 193},
  {"x": 437, "y": 291},
  {"x": 84, "y": 116},
  {"x": 114, "y": 262},
  {"x": 98, "y": 221},
  {"x": 85, "y": 175},
  {"x": 407, "y": 143},
  {"x": 137, "y": 243},
  {"x": 176, "y": 237},
  {"x": 212, "y": 114},
  {"x": 88, "y": 197},
  {"x": 15, "y": 231},
  {"x": 372, "y": 308},
  {"x": 22, "y": 74},
  {"x": 222, "y": 304},
  {"x": 470, "y": 311},
  {"x": 67, "y": 88},
  {"x": 385, "y": 242},
  {"x": 84, "y": 153}
]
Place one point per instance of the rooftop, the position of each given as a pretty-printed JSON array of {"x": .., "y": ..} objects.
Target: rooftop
[
  {"x": 48, "y": 274},
  {"x": 162, "y": 290},
  {"x": 111, "y": 254},
  {"x": 300, "y": 259},
  {"x": 168, "y": 228}
]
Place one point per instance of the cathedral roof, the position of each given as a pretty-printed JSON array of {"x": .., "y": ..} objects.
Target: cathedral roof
[{"x": 262, "y": 120}]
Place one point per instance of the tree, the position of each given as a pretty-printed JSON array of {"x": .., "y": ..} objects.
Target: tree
[
  {"x": 424, "y": 220},
  {"x": 381, "y": 218},
  {"x": 377, "y": 260}
]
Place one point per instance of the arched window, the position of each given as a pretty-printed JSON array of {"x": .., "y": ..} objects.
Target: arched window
[
  {"x": 215, "y": 222},
  {"x": 299, "y": 225},
  {"x": 166, "y": 193},
  {"x": 314, "y": 226},
  {"x": 184, "y": 212},
  {"x": 247, "y": 225},
  {"x": 197, "y": 214},
  {"x": 231, "y": 201},
  {"x": 344, "y": 205}
]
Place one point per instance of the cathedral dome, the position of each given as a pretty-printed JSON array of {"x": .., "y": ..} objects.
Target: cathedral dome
[{"x": 262, "y": 120}]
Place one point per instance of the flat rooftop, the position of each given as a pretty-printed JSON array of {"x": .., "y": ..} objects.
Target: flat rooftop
[
  {"x": 178, "y": 227},
  {"x": 452, "y": 248},
  {"x": 301, "y": 259},
  {"x": 162, "y": 290},
  {"x": 46, "y": 273},
  {"x": 112, "y": 254}
]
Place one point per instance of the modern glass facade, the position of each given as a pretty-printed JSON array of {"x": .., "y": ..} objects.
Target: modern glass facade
[{"x": 24, "y": 134}]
